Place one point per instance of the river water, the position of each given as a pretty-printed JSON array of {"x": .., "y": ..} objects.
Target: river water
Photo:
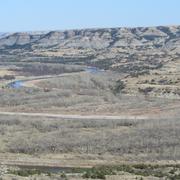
[
  {"x": 16, "y": 84},
  {"x": 19, "y": 83}
]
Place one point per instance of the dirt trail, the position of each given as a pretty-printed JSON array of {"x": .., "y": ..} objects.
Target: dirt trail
[
  {"x": 72, "y": 161},
  {"x": 75, "y": 117}
]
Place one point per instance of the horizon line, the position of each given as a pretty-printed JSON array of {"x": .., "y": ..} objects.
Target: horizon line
[{"x": 89, "y": 28}]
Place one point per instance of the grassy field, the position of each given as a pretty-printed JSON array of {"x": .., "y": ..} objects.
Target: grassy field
[
  {"x": 142, "y": 139},
  {"x": 51, "y": 141},
  {"x": 123, "y": 148},
  {"x": 82, "y": 93}
]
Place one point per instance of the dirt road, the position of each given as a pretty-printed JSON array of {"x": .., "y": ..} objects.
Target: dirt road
[{"x": 65, "y": 116}]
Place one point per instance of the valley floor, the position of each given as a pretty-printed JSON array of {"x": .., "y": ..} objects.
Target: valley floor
[{"x": 86, "y": 120}]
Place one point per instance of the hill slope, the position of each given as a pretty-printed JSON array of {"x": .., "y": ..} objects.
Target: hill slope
[
  {"x": 115, "y": 48},
  {"x": 149, "y": 56}
]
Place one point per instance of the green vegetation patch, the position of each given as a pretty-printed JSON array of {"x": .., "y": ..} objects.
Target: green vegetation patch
[
  {"x": 171, "y": 172},
  {"x": 137, "y": 169},
  {"x": 25, "y": 172}
]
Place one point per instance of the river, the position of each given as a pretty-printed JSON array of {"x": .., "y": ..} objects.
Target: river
[{"x": 19, "y": 83}]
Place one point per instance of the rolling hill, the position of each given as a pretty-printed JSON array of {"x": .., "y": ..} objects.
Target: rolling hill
[{"x": 148, "y": 56}]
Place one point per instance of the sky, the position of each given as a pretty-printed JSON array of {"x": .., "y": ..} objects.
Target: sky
[{"x": 42, "y": 15}]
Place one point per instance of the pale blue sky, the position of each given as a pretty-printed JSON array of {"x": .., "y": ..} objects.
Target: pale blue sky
[{"x": 30, "y": 15}]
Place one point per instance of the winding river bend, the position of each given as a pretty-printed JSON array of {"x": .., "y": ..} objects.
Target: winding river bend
[{"x": 20, "y": 83}]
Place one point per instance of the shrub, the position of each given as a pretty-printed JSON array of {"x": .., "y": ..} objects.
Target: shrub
[
  {"x": 63, "y": 175},
  {"x": 25, "y": 172},
  {"x": 145, "y": 91},
  {"x": 119, "y": 86},
  {"x": 8, "y": 77},
  {"x": 98, "y": 172}
]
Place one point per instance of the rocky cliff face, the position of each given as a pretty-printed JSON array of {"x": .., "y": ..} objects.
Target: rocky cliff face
[
  {"x": 2, "y": 35},
  {"x": 97, "y": 38}
]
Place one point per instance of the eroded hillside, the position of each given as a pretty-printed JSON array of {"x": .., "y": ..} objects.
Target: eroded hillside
[{"x": 150, "y": 57}]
